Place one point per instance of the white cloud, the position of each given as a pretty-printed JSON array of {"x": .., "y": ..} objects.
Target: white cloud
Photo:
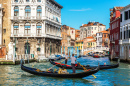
[{"x": 80, "y": 9}]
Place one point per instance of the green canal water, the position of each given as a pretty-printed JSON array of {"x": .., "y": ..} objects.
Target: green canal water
[{"x": 14, "y": 76}]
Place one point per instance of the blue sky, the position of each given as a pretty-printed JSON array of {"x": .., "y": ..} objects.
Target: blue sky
[{"x": 78, "y": 12}]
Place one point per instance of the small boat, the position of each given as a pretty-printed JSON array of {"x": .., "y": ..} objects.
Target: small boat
[
  {"x": 96, "y": 56},
  {"x": 86, "y": 66},
  {"x": 55, "y": 74}
]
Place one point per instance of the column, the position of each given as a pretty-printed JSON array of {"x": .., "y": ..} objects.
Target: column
[
  {"x": 61, "y": 50},
  {"x": 49, "y": 29},
  {"x": 43, "y": 28}
]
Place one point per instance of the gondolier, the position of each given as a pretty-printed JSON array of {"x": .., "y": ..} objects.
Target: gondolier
[{"x": 73, "y": 59}]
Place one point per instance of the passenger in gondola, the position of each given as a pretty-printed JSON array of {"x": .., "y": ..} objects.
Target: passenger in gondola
[
  {"x": 62, "y": 71},
  {"x": 66, "y": 58},
  {"x": 73, "y": 59}
]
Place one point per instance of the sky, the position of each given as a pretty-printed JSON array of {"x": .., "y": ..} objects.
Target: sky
[{"x": 78, "y": 12}]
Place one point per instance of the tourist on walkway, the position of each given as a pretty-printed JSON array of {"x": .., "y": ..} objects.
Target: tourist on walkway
[{"x": 73, "y": 59}]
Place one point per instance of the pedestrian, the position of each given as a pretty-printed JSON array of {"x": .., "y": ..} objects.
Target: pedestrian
[
  {"x": 73, "y": 59},
  {"x": 66, "y": 58}
]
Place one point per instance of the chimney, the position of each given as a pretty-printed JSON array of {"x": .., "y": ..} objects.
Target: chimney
[{"x": 82, "y": 24}]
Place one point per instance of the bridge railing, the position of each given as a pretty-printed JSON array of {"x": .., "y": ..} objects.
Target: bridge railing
[
  {"x": 19, "y": 57},
  {"x": 96, "y": 48}
]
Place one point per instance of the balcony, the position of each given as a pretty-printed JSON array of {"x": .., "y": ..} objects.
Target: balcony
[
  {"x": 28, "y": 35},
  {"x": 126, "y": 41},
  {"x": 20, "y": 18},
  {"x": 120, "y": 41},
  {"x": 53, "y": 36}
]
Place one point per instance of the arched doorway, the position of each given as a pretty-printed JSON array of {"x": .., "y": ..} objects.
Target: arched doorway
[{"x": 27, "y": 48}]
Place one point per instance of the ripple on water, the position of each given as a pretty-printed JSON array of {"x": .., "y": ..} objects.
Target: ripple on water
[{"x": 13, "y": 75}]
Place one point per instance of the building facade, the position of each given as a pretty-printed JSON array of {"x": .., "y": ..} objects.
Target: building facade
[
  {"x": 87, "y": 30},
  {"x": 114, "y": 31},
  {"x": 102, "y": 39},
  {"x": 1, "y": 20},
  {"x": 77, "y": 35},
  {"x": 64, "y": 41},
  {"x": 5, "y": 22},
  {"x": 125, "y": 34},
  {"x": 36, "y": 27}
]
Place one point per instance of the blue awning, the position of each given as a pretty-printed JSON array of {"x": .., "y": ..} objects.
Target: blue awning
[
  {"x": 39, "y": 26},
  {"x": 57, "y": 19},
  {"x": 27, "y": 26},
  {"x": 39, "y": 10},
  {"x": 16, "y": 9},
  {"x": 16, "y": 26}
]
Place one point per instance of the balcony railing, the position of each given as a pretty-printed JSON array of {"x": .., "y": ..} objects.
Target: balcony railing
[{"x": 18, "y": 18}]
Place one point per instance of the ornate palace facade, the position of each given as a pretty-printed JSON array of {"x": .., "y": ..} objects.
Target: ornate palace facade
[{"x": 36, "y": 27}]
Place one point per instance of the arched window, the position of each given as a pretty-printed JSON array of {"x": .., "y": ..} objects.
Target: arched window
[
  {"x": 27, "y": 0},
  {"x": 27, "y": 28},
  {"x": 39, "y": 26},
  {"x": 38, "y": 0},
  {"x": 15, "y": 0},
  {"x": 27, "y": 11},
  {"x": 16, "y": 28},
  {"x": 16, "y": 11},
  {"x": 39, "y": 11}
]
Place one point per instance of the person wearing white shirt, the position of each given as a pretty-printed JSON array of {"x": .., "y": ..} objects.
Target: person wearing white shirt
[{"x": 73, "y": 59}]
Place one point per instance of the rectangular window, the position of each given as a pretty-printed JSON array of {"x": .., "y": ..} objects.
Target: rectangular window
[
  {"x": 129, "y": 33},
  {"x": 124, "y": 34},
  {"x": 126, "y": 15},
  {"x": 121, "y": 18},
  {"x": 129, "y": 14},
  {"x": 4, "y": 30},
  {"x": 121, "y": 35}
]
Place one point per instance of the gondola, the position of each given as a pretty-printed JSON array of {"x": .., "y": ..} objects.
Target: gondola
[
  {"x": 55, "y": 74},
  {"x": 87, "y": 66}
]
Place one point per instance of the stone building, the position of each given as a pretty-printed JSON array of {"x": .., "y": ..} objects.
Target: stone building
[
  {"x": 115, "y": 31},
  {"x": 102, "y": 39},
  {"x": 36, "y": 27},
  {"x": 6, "y": 23},
  {"x": 125, "y": 33},
  {"x": 64, "y": 41},
  {"x": 90, "y": 29},
  {"x": 1, "y": 20}
]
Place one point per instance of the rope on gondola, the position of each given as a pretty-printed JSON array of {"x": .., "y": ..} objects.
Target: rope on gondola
[{"x": 85, "y": 69}]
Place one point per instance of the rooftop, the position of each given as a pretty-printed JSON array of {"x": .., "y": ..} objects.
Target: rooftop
[
  {"x": 92, "y": 24},
  {"x": 53, "y": 1},
  {"x": 103, "y": 31},
  {"x": 79, "y": 41},
  {"x": 92, "y": 41},
  {"x": 90, "y": 37}
]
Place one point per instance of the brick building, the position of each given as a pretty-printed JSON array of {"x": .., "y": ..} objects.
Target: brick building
[{"x": 115, "y": 31}]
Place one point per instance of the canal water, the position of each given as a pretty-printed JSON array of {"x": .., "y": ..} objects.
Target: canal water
[{"x": 13, "y": 75}]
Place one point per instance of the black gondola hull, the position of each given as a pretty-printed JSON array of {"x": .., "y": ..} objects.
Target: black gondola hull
[
  {"x": 87, "y": 67},
  {"x": 74, "y": 75}
]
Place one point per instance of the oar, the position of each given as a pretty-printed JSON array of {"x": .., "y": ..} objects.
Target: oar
[
  {"x": 85, "y": 69},
  {"x": 55, "y": 65}
]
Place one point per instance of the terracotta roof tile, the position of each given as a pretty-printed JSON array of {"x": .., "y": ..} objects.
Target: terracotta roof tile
[
  {"x": 90, "y": 37},
  {"x": 79, "y": 41},
  {"x": 118, "y": 8},
  {"x": 92, "y": 41},
  {"x": 103, "y": 31}
]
